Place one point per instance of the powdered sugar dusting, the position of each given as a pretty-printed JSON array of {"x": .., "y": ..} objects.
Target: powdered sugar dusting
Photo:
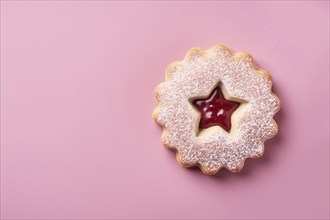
[{"x": 196, "y": 76}]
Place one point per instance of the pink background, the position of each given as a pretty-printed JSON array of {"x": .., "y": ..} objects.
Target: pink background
[{"x": 78, "y": 140}]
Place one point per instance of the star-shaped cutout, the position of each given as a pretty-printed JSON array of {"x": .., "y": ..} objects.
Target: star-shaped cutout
[{"x": 215, "y": 110}]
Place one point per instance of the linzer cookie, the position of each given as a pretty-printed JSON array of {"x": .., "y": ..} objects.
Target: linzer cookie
[{"x": 216, "y": 109}]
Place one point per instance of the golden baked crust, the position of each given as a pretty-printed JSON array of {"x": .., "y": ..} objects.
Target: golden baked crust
[{"x": 240, "y": 79}]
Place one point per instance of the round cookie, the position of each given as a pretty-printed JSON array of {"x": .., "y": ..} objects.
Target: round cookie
[{"x": 216, "y": 109}]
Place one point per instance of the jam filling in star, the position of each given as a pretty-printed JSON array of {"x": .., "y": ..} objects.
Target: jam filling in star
[{"x": 215, "y": 110}]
